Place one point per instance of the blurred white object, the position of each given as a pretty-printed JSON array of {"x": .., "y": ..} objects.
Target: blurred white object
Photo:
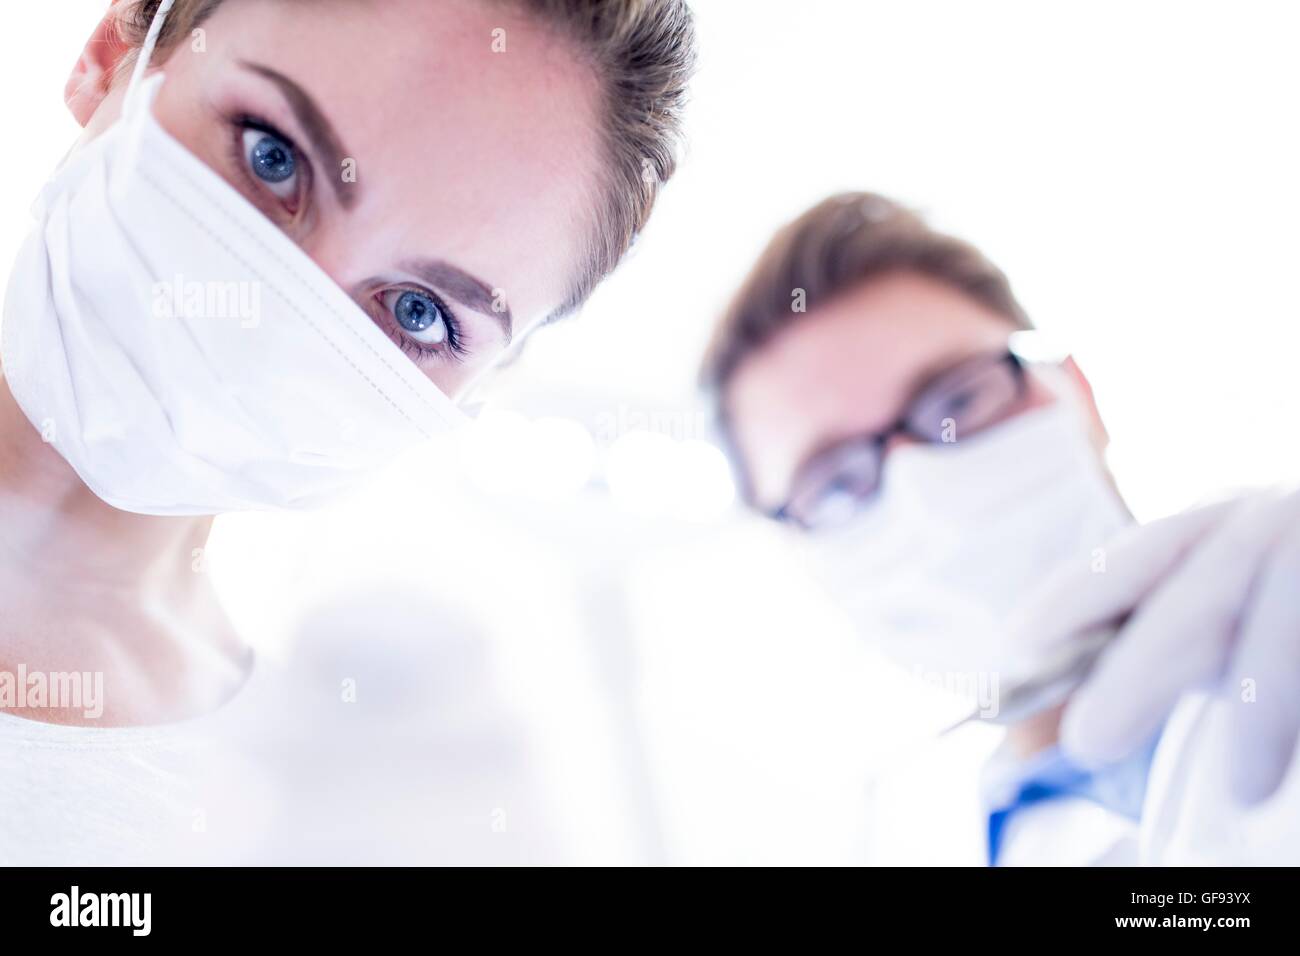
[
  {"x": 657, "y": 475},
  {"x": 504, "y": 452},
  {"x": 1192, "y": 817},
  {"x": 383, "y": 742}
]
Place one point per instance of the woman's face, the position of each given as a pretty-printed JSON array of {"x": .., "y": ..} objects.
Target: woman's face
[{"x": 437, "y": 158}]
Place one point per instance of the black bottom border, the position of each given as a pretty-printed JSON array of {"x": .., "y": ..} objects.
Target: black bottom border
[{"x": 334, "y": 906}]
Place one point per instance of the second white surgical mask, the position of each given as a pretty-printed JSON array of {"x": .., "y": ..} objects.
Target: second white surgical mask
[
  {"x": 182, "y": 353},
  {"x": 962, "y": 533}
]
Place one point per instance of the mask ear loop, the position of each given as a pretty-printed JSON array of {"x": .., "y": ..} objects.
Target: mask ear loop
[
  {"x": 132, "y": 93},
  {"x": 146, "y": 49}
]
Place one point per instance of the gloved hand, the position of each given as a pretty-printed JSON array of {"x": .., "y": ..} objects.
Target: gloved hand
[{"x": 1213, "y": 602}]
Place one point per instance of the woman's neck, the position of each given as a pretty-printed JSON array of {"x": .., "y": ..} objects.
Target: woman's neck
[{"x": 85, "y": 586}]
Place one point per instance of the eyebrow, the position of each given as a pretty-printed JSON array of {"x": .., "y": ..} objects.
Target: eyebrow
[
  {"x": 464, "y": 288},
  {"x": 459, "y": 284},
  {"x": 317, "y": 126}
]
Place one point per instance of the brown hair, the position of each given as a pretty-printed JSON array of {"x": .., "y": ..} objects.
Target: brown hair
[
  {"x": 837, "y": 245},
  {"x": 644, "y": 53}
]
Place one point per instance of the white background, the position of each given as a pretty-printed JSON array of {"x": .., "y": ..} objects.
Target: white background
[{"x": 1132, "y": 165}]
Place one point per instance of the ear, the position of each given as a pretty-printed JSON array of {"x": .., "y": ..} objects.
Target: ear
[
  {"x": 1097, "y": 427},
  {"x": 98, "y": 65}
]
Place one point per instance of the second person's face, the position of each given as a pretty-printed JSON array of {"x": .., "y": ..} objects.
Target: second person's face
[{"x": 849, "y": 368}]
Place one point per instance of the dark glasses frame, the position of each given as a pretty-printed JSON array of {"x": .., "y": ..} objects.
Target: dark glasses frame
[{"x": 873, "y": 443}]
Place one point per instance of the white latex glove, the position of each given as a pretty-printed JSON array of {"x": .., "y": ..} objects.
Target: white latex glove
[{"x": 1214, "y": 597}]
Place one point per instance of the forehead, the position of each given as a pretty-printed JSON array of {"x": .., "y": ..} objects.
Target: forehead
[
  {"x": 473, "y": 127},
  {"x": 847, "y": 368}
]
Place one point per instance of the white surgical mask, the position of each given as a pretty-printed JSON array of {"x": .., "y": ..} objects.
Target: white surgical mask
[
  {"x": 181, "y": 352},
  {"x": 961, "y": 534}
]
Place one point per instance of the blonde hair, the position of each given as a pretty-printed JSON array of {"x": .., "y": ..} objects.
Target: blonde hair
[{"x": 644, "y": 53}]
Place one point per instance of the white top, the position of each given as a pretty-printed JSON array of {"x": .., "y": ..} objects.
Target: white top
[
  {"x": 106, "y": 796},
  {"x": 72, "y": 796}
]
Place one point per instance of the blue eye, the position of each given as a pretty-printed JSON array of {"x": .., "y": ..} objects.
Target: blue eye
[
  {"x": 272, "y": 160},
  {"x": 420, "y": 317}
]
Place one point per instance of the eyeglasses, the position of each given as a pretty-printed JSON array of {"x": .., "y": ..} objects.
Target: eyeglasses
[{"x": 838, "y": 482}]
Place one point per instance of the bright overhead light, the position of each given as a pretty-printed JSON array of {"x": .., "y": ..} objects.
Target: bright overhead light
[
  {"x": 503, "y": 452},
  {"x": 652, "y": 474}
]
